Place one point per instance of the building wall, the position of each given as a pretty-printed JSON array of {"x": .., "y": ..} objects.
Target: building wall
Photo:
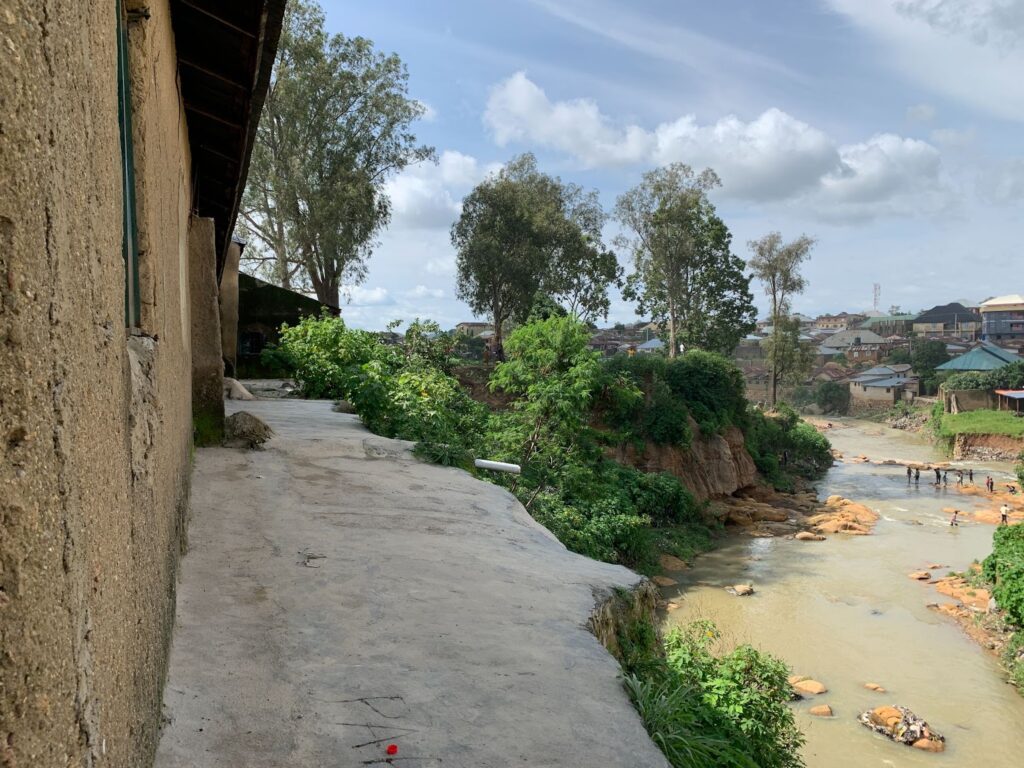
[
  {"x": 95, "y": 421},
  {"x": 1002, "y": 324}
]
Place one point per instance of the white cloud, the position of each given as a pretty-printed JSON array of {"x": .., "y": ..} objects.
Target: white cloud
[
  {"x": 441, "y": 265},
  {"x": 1003, "y": 183},
  {"x": 968, "y": 50},
  {"x": 774, "y": 157},
  {"x": 422, "y": 292},
  {"x": 953, "y": 138},
  {"x": 921, "y": 113},
  {"x": 429, "y": 195},
  {"x": 885, "y": 175},
  {"x": 359, "y": 296}
]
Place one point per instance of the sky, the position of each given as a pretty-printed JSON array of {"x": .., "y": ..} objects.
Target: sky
[{"x": 889, "y": 130}]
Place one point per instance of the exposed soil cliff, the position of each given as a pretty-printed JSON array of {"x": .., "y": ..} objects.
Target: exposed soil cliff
[
  {"x": 712, "y": 466},
  {"x": 987, "y": 447}
]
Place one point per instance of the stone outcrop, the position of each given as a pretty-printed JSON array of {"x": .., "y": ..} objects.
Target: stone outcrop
[
  {"x": 841, "y": 515},
  {"x": 805, "y": 686},
  {"x": 712, "y": 466}
]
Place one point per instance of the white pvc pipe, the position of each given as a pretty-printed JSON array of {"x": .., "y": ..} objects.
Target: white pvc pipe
[{"x": 497, "y": 466}]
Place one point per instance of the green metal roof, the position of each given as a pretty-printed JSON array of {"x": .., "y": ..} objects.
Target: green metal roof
[{"x": 986, "y": 357}]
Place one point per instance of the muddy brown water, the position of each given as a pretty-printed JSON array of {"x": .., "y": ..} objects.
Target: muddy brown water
[{"x": 844, "y": 612}]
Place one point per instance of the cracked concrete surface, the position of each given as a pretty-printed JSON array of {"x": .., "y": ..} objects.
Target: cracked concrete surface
[{"x": 340, "y": 596}]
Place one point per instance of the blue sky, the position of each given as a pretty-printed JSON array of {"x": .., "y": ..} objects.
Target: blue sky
[{"x": 890, "y": 130}]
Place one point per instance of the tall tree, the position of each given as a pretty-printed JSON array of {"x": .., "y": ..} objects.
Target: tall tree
[
  {"x": 522, "y": 234},
  {"x": 335, "y": 126},
  {"x": 777, "y": 266},
  {"x": 685, "y": 274}
]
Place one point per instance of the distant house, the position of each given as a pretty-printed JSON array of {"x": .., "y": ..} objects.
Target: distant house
[
  {"x": 884, "y": 384},
  {"x": 985, "y": 356},
  {"x": 1003, "y": 318},
  {"x": 473, "y": 329},
  {"x": 651, "y": 346},
  {"x": 948, "y": 319},
  {"x": 839, "y": 322},
  {"x": 854, "y": 337},
  {"x": 830, "y": 372},
  {"x": 890, "y": 325}
]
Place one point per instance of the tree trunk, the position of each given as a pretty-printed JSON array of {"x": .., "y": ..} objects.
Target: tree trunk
[
  {"x": 673, "y": 348},
  {"x": 499, "y": 352},
  {"x": 329, "y": 292}
]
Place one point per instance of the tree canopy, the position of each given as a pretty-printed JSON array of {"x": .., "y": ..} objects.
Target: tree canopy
[
  {"x": 685, "y": 274},
  {"x": 335, "y": 126},
  {"x": 523, "y": 233}
]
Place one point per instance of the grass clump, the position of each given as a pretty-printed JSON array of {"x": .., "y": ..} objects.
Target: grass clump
[{"x": 982, "y": 422}]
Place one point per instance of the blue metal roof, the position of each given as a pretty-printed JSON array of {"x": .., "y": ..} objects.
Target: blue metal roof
[{"x": 893, "y": 382}]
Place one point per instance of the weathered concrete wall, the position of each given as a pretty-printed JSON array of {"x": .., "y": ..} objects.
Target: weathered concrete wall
[
  {"x": 962, "y": 400},
  {"x": 228, "y": 299},
  {"x": 207, "y": 364},
  {"x": 95, "y": 423}
]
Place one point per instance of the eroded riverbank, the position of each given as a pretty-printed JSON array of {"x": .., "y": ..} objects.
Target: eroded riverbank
[{"x": 844, "y": 612}]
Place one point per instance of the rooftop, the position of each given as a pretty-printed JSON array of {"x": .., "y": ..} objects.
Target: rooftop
[{"x": 984, "y": 357}]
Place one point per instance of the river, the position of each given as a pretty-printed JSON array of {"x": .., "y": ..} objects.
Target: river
[{"x": 844, "y": 612}]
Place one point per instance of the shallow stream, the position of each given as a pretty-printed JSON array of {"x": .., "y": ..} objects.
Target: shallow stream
[{"x": 844, "y": 612}]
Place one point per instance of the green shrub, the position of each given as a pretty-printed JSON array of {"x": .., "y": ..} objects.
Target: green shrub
[
  {"x": 1005, "y": 568},
  {"x": 1008, "y": 377},
  {"x": 327, "y": 355},
  {"x": 745, "y": 692}
]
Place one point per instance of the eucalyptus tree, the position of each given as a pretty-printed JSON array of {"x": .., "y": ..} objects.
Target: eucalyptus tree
[
  {"x": 776, "y": 264},
  {"x": 523, "y": 236},
  {"x": 336, "y": 125},
  {"x": 685, "y": 276}
]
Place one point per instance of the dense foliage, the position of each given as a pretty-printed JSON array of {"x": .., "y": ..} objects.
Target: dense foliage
[
  {"x": 782, "y": 445},
  {"x": 705, "y": 709},
  {"x": 555, "y": 386},
  {"x": 1005, "y": 568},
  {"x": 1008, "y": 377},
  {"x": 832, "y": 397},
  {"x": 522, "y": 232},
  {"x": 700, "y": 385}
]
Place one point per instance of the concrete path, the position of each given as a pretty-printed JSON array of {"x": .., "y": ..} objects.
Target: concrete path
[{"x": 340, "y": 596}]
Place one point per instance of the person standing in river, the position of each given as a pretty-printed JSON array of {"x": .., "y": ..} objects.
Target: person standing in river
[
  {"x": 917, "y": 475},
  {"x": 945, "y": 477},
  {"x": 953, "y": 522},
  {"x": 1004, "y": 514},
  {"x": 938, "y": 478},
  {"x": 970, "y": 476},
  {"x": 960, "y": 477},
  {"x": 910, "y": 473}
]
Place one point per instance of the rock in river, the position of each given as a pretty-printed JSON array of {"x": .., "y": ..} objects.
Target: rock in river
[
  {"x": 806, "y": 686},
  {"x": 741, "y": 590},
  {"x": 919, "y": 575},
  {"x": 822, "y": 710},
  {"x": 808, "y": 536},
  {"x": 903, "y": 726}
]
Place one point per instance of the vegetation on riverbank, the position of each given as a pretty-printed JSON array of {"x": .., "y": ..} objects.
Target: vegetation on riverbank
[
  {"x": 1004, "y": 570},
  {"x": 556, "y": 390},
  {"x": 703, "y": 706}
]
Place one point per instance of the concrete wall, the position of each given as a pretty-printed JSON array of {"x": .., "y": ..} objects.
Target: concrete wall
[
  {"x": 228, "y": 299},
  {"x": 95, "y": 422},
  {"x": 961, "y": 400},
  {"x": 207, "y": 363}
]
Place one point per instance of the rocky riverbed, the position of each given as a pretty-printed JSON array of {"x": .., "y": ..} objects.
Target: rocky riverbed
[{"x": 843, "y": 613}]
